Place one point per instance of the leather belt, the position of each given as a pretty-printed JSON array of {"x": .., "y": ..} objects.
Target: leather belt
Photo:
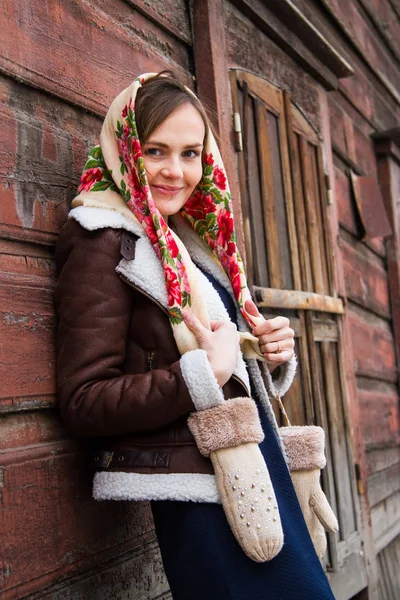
[{"x": 106, "y": 459}]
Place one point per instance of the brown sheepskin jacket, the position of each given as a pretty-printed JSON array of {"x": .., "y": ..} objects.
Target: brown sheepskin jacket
[{"x": 120, "y": 379}]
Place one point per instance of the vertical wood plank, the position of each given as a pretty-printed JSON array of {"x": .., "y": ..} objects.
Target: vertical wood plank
[
  {"x": 267, "y": 189},
  {"x": 327, "y": 237},
  {"x": 312, "y": 222}
]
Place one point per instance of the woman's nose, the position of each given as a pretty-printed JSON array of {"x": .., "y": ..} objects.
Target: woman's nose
[{"x": 173, "y": 169}]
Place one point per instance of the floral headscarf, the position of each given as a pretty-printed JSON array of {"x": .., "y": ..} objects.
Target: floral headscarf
[{"x": 116, "y": 166}]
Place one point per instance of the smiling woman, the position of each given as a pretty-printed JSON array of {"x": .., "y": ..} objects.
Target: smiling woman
[
  {"x": 159, "y": 347},
  {"x": 172, "y": 158}
]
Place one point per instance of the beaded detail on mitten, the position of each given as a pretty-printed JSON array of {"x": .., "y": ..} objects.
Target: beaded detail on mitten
[{"x": 229, "y": 434}]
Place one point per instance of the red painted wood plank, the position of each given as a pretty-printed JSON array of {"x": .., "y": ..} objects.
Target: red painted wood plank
[
  {"x": 172, "y": 15},
  {"x": 52, "y": 528},
  {"x": 386, "y": 19},
  {"x": 30, "y": 429},
  {"x": 44, "y": 146},
  {"x": 364, "y": 37},
  {"x": 365, "y": 277},
  {"x": 373, "y": 345},
  {"x": 27, "y": 323},
  {"x": 379, "y": 416},
  {"x": 77, "y": 51}
]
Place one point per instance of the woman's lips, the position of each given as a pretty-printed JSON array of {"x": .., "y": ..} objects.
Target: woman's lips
[{"x": 167, "y": 190}]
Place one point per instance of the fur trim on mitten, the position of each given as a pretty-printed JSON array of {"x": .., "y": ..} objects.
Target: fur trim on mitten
[
  {"x": 230, "y": 424},
  {"x": 304, "y": 448}
]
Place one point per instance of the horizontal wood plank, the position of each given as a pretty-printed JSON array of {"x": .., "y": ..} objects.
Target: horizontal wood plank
[
  {"x": 44, "y": 148},
  {"x": 379, "y": 415},
  {"x": 383, "y": 484},
  {"x": 98, "y": 52},
  {"x": 385, "y": 520},
  {"x": 68, "y": 531},
  {"x": 27, "y": 324},
  {"x": 365, "y": 277},
  {"x": 373, "y": 345},
  {"x": 296, "y": 300}
]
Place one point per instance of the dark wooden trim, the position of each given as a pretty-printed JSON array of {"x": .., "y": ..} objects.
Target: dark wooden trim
[
  {"x": 285, "y": 25},
  {"x": 311, "y": 37}
]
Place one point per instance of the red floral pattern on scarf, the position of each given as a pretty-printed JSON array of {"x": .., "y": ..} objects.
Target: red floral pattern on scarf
[
  {"x": 219, "y": 178},
  {"x": 89, "y": 178}
]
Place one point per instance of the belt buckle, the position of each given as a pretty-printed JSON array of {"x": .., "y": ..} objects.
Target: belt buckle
[{"x": 109, "y": 459}]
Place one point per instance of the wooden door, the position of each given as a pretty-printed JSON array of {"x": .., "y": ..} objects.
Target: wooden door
[{"x": 290, "y": 267}]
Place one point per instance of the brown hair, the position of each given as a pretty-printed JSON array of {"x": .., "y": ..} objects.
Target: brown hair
[{"x": 158, "y": 98}]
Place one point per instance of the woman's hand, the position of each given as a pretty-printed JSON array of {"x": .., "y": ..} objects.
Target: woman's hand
[
  {"x": 275, "y": 336},
  {"x": 221, "y": 345}
]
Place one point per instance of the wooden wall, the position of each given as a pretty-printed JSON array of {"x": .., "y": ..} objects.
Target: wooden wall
[
  {"x": 61, "y": 65},
  {"x": 364, "y": 104}
]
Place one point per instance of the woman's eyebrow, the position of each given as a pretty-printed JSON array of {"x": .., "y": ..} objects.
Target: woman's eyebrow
[{"x": 162, "y": 145}]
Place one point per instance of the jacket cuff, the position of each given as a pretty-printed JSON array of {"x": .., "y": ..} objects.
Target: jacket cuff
[
  {"x": 304, "y": 447},
  {"x": 200, "y": 379},
  {"x": 234, "y": 423},
  {"x": 282, "y": 382}
]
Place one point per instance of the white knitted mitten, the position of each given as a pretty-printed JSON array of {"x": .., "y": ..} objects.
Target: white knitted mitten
[
  {"x": 229, "y": 434},
  {"x": 304, "y": 448}
]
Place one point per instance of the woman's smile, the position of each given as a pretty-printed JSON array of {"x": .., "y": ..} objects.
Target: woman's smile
[{"x": 166, "y": 189}]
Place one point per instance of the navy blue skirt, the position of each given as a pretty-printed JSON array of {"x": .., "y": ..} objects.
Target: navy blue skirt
[{"x": 203, "y": 560}]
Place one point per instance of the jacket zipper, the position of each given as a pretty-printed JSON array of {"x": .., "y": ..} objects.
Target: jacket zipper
[
  {"x": 135, "y": 287},
  {"x": 150, "y": 361}
]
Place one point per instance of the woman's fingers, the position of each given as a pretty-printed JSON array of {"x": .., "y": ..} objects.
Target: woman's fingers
[
  {"x": 271, "y": 325},
  {"x": 282, "y": 357},
  {"x": 284, "y": 341},
  {"x": 196, "y": 326}
]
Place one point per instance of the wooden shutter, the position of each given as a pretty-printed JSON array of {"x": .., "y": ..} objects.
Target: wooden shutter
[{"x": 291, "y": 269}]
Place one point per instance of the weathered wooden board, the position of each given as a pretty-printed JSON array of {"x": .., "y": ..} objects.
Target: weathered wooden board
[
  {"x": 27, "y": 325},
  {"x": 348, "y": 217},
  {"x": 385, "y": 520},
  {"x": 363, "y": 35},
  {"x": 387, "y": 21},
  {"x": 389, "y": 574},
  {"x": 82, "y": 53},
  {"x": 383, "y": 484},
  {"x": 272, "y": 63},
  {"x": 379, "y": 413},
  {"x": 44, "y": 147},
  {"x": 171, "y": 15},
  {"x": 365, "y": 276},
  {"x": 379, "y": 458},
  {"x": 373, "y": 345},
  {"x": 53, "y": 527}
]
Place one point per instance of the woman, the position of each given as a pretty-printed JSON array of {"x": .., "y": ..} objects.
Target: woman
[{"x": 150, "y": 297}]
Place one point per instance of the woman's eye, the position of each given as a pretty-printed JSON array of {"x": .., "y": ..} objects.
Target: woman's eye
[
  {"x": 153, "y": 151},
  {"x": 190, "y": 153}
]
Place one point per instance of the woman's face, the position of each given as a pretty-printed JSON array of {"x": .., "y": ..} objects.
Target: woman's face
[{"x": 172, "y": 157}]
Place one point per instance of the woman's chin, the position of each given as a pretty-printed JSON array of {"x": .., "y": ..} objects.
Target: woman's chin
[{"x": 170, "y": 206}]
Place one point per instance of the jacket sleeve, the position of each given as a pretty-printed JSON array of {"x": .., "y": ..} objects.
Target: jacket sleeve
[{"x": 94, "y": 307}]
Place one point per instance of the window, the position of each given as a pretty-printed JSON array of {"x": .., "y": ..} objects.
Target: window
[{"x": 290, "y": 266}]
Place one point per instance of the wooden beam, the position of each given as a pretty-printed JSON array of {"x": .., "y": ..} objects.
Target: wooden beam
[
  {"x": 296, "y": 300},
  {"x": 285, "y": 33}
]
